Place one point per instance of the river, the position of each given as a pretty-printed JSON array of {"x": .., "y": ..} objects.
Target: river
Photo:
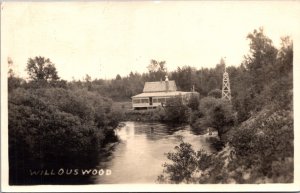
[{"x": 140, "y": 153}]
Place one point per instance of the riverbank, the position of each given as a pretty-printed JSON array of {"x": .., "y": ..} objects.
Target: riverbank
[
  {"x": 149, "y": 115},
  {"x": 255, "y": 151}
]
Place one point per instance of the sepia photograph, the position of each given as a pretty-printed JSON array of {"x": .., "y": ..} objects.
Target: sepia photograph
[{"x": 146, "y": 95}]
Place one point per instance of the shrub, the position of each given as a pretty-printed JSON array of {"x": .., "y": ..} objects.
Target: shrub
[
  {"x": 217, "y": 114},
  {"x": 221, "y": 117},
  {"x": 207, "y": 103},
  {"x": 195, "y": 115},
  {"x": 193, "y": 102},
  {"x": 189, "y": 166},
  {"x": 176, "y": 111},
  {"x": 216, "y": 93},
  {"x": 14, "y": 82},
  {"x": 184, "y": 164},
  {"x": 157, "y": 114}
]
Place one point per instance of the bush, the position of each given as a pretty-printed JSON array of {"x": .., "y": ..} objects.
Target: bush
[
  {"x": 176, "y": 111},
  {"x": 157, "y": 114},
  {"x": 189, "y": 166},
  {"x": 14, "y": 82},
  {"x": 193, "y": 102},
  {"x": 217, "y": 114},
  {"x": 207, "y": 103},
  {"x": 221, "y": 117},
  {"x": 184, "y": 164},
  {"x": 195, "y": 115},
  {"x": 216, "y": 93}
]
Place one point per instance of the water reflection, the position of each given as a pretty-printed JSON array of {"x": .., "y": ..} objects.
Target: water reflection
[{"x": 139, "y": 155}]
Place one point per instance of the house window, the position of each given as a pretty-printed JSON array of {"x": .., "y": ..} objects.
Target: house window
[
  {"x": 144, "y": 101},
  {"x": 161, "y": 100},
  {"x": 155, "y": 100},
  {"x": 136, "y": 100}
]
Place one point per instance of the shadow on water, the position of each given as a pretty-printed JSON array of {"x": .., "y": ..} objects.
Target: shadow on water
[
  {"x": 59, "y": 171},
  {"x": 156, "y": 131},
  {"x": 136, "y": 158}
]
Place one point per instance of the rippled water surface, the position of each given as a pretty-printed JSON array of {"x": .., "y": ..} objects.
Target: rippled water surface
[{"x": 139, "y": 155}]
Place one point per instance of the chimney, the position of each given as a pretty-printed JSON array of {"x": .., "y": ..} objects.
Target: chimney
[{"x": 167, "y": 84}]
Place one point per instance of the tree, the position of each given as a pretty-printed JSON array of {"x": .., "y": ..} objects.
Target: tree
[
  {"x": 155, "y": 66},
  {"x": 41, "y": 68},
  {"x": 183, "y": 166},
  {"x": 217, "y": 114},
  {"x": 285, "y": 56},
  {"x": 186, "y": 165},
  {"x": 13, "y": 81},
  {"x": 221, "y": 117},
  {"x": 118, "y": 77},
  {"x": 157, "y": 70},
  {"x": 186, "y": 77},
  {"x": 10, "y": 67},
  {"x": 265, "y": 76},
  {"x": 261, "y": 60}
]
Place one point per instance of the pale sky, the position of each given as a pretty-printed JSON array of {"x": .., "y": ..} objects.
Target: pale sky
[{"x": 104, "y": 39}]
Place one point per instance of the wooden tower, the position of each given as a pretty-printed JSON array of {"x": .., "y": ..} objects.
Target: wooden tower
[{"x": 226, "y": 92}]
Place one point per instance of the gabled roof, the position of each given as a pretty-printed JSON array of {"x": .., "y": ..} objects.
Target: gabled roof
[{"x": 160, "y": 86}]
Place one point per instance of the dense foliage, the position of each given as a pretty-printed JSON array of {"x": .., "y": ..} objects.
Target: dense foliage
[
  {"x": 214, "y": 113},
  {"x": 258, "y": 151},
  {"x": 158, "y": 114},
  {"x": 190, "y": 166},
  {"x": 176, "y": 110},
  {"x": 259, "y": 135},
  {"x": 185, "y": 164},
  {"x": 216, "y": 93},
  {"x": 265, "y": 144},
  {"x": 52, "y": 125},
  {"x": 37, "y": 118}
]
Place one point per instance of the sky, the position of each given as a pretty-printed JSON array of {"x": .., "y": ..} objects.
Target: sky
[{"x": 103, "y": 39}]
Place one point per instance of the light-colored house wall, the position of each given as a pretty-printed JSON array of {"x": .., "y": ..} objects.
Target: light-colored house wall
[{"x": 144, "y": 102}]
